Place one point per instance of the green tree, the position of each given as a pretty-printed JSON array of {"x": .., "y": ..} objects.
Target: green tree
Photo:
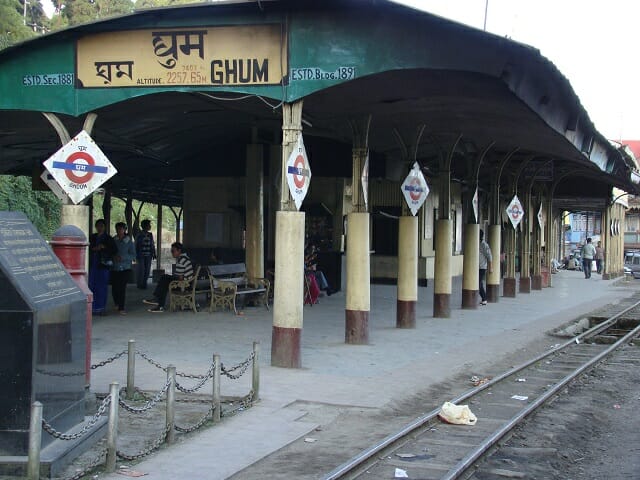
[
  {"x": 42, "y": 208},
  {"x": 12, "y": 27},
  {"x": 35, "y": 17}
]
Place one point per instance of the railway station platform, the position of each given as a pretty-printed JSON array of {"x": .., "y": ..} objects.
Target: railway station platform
[{"x": 396, "y": 364}]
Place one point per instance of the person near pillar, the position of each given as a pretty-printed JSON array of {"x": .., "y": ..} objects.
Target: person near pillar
[
  {"x": 145, "y": 253},
  {"x": 485, "y": 263},
  {"x": 184, "y": 271},
  {"x": 102, "y": 248},
  {"x": 121, "y": 270},
  {"x": 599, "y": 258},
  {"x": 311, "y": 268},
  {"x": 588, "y": 254}
]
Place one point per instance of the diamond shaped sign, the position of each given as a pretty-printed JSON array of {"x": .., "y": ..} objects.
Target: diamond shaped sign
[
  {"x": 364, "y": 180},
  {"x": 515, "y": 212},
  {"x": 474, "y": 201},
  {"x": 80, "y": 167},
  {"x": 298, "y": 173},
  {"x": 415, "y": 189}
]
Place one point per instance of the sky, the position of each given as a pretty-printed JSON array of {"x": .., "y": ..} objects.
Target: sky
[{"x": 592, "y": 42}]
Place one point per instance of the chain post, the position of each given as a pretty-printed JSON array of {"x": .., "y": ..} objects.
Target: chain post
[
  {"x": 216, "y": 388},
  {"x": 35, "y": 441},
  {"x": 112, "y": 432},
  {"x": 255, "y": 372},
  {"x": 131, "y": 369},
  {"x": 171, "y": 403}
]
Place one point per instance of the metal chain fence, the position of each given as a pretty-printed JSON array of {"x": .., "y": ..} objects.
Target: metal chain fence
[
  {"x": 64, "y": 436},
  {"x": 233, "y": 373}
]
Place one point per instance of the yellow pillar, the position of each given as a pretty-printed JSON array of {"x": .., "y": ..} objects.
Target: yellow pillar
[
  {"x": 493, "y": 277},
  {"x": 470, "y": 266},
  {"x": 288, "y": 293},
  {"x": 358, "y": 277},
  {"x": 550, "y": 239},
  {"x": 289, "y": 249},
  {"x": 407, "y": 272},
  {"x": 509, "y": 285},
  {"x": 255, "y": 211},
  {"x": 525, "y": 263},
  {"x": 442, "y": 269}
]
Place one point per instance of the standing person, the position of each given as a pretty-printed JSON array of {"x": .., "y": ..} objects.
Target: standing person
[
  {"x": 121, "y": 269},
  {"x": 101, "y": 251},
  {"x": 145, "y": 253},
  {"x": 600, "y": 258},
  {"x": 184, "y": 271},
  {"x": 588, "y": 253},
  {"x": 485, "y": 263}
]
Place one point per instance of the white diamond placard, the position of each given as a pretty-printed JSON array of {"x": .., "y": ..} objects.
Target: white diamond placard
[
  {"x": 474, "y": 201},
  {"x": 415, "y": 189},
  {"x": 80, "y": 167},
  {"x": 298, "y": 173},
  {"x": 364, "y": 180},
  {"x": 540, "y": 217},
  {"x": 515, "y": 211}
]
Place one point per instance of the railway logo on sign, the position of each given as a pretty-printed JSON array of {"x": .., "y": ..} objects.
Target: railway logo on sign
[
  {"x": 415, "y": 189},
  {"x": 298, "y": 173},
  {"x": 515, "y": 211},
  {"x": 80, "y": 167}
]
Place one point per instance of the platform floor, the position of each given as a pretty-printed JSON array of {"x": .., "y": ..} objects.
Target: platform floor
[{"x": 396, "y": 364}]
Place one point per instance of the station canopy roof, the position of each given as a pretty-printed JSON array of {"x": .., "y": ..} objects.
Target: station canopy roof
[{"x": 466, "y": 90}]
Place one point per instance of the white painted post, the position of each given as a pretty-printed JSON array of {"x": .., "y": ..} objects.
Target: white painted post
[
  {"x": 255, "y": 377},
  {"x": 171, "y": 403},
  {"x": 216, "y": 388},
  {"x": 35, "y": 441},
  {"x": 112, "y": 432},
  {"x": 131, "y": 369}
]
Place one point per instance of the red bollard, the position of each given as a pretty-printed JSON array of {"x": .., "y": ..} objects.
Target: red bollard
[{"x": 69, "y": 243}]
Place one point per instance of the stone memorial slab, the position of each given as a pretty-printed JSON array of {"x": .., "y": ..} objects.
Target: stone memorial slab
[{"x": 42, "y": 336}]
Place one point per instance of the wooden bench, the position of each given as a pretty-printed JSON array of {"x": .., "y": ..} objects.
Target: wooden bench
[
  {"x": 183, "y": 293},
  {"x": 231, "y": 280}
]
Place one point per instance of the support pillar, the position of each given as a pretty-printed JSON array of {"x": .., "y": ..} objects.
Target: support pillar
[
  {"x": 255, "y": 211},
  {"x": 407, "y": 272},
  {"x": 607, "y": 237},
  {"x": 509, "y": 285},
  {"x": 358, "y": 302},
  {"x": 158, "y": 239},
  {"x": 550, "y": 243},
  {"x": 525, "y": 263},
  {"x": 470, "y": 267},
  {"x": 493, "y": 277},
  {"x": 442, "y": 270},
  {"x": 538, "y": 257},
  {"x": 358, "y": 278},
  {"x": 289, "y": 250},
  {"x": 289, "y": 290}
]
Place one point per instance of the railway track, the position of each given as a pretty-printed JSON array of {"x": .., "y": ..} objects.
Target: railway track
[{"x": 443, "y": 451}]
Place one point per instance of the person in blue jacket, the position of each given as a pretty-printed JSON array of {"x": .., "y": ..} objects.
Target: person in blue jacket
[{"x": 121, "y": 270}]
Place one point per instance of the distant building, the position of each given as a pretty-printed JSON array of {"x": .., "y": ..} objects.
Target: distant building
[{"x": 632, "y": 217}]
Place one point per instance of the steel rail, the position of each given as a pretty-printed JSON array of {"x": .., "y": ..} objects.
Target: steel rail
[
  {"x": 350, "y": 465},
  {"x": 471, "y": 458}
]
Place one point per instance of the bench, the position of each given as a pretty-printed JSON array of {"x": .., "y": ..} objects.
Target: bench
[
  {"x": 231, "y": 280},
  {"x": 183, "y": 293}
]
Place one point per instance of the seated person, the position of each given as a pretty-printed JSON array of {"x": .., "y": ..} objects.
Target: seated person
[
  {"x": 555, "y": 265},
  {"x": 572, "y": 264},
  {"x": 311, "y": 266},
  {"x": 184, "y": 271}
]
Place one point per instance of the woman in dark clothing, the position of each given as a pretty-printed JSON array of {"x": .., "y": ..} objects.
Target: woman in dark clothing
[{"x": 102, "y": 248}]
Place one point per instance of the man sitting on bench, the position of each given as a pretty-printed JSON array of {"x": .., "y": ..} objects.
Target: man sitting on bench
[{"x": 184, "y": 271}]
